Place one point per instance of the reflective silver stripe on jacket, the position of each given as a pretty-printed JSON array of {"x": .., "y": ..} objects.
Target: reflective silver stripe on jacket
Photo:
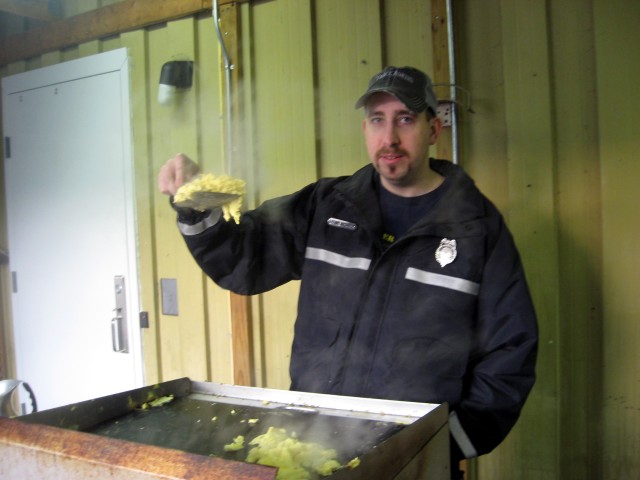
[
  {"x": 337, "y": 259},
  {"x": 438, "y": 280},
  {"x": 461, "y": 437},
  {"x": 200, "y": 227}
]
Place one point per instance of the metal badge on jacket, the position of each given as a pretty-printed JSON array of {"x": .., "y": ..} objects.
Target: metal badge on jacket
[{"x": 446, "y": 252}]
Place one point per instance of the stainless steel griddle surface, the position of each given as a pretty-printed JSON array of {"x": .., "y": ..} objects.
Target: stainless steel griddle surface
[
  {"x": 390, "y": 437},
  {"x": 205, "y": 427}
]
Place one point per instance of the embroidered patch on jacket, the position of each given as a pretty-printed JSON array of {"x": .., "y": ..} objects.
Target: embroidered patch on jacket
[
  {"x": 446, "y": 252},
  {"x": 388, "y": 239}
]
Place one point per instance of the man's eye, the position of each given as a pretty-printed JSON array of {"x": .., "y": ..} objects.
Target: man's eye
[
  {"x": 375, "y": 120},
  {"x": 405, "y": 120}
]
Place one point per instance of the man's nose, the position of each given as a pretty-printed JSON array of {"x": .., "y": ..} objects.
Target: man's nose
[{"x": 391, "y": 136}]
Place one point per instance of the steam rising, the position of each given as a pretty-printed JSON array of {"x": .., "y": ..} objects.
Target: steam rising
[{"x": 205, "y": 428}]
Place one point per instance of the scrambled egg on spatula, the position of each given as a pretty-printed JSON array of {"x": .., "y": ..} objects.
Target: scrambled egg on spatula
[{"x": 207, "y": 191}]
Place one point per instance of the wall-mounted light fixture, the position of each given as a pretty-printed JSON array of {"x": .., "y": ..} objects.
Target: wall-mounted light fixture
[{"x": 174, "y": 75}]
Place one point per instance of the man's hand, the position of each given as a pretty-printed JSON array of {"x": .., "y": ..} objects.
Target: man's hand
[{"x": 176, "y": 172}]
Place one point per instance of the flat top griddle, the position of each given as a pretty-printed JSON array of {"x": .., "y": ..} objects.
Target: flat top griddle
[
  {"x": 204, "y": 417},
  {"x": 205, "y": 427}
]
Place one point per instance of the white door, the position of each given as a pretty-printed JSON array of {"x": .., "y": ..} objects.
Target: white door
[{"x": 71, "y": 226}]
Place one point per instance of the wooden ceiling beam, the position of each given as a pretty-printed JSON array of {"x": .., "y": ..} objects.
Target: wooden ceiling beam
[
  {"x": 100, "y": 23},
  {"x": 29, "y": 9}
]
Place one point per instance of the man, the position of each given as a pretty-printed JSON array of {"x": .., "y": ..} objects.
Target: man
[{"x": 412, "y": 288}]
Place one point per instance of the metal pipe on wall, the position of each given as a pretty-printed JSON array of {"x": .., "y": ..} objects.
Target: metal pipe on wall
[
  {"x": 452, "y": 92},
  {"x": 228, "y": 66}
]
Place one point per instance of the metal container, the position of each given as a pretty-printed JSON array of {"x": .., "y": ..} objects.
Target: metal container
[
  {"x": 8, "y": 397},
  {"x": 116, "y": 437}
]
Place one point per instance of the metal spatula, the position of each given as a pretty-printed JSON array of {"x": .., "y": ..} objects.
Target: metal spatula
[{"x": 207, "y": 200}]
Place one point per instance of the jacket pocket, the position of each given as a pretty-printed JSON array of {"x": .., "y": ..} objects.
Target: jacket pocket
[
  {"x": 322, "y": 333},
  {"x": 313, "y": 355},
  {"x": 429, "y": 370}
]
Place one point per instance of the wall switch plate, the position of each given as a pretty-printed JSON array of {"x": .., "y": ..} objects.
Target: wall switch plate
[{"x": 169, "y": 292}]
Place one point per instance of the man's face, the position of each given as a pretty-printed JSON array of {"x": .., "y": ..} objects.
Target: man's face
[{"x": 398, "y": 142}]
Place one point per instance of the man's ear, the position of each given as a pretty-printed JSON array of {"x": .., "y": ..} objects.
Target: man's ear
[{"x": 436, "y": 128}]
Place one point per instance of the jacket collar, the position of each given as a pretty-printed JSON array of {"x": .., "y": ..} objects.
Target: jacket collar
[
  {"x": 462, "y": 201},
  {"x": 360, "y": 190}
]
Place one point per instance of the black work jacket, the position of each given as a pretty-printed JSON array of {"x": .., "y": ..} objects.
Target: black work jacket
[{"x": 389, "y": 321}]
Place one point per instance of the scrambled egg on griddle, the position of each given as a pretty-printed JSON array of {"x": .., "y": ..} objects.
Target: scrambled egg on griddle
[{"x": 294, "y": 459}]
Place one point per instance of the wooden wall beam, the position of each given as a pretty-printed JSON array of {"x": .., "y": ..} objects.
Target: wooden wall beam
[
  {"x": 441, "y": 68},
  {"x": 241, "y": 313},
  {"x": 103, "y": 22}
]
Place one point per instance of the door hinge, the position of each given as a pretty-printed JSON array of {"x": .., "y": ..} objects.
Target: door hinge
[
  {"x": 14, "y": 282},
  {"x": 7, "y": 147},
  {"x": 144, "y": 319}
]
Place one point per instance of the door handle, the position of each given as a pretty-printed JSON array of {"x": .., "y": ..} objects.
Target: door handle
[
  {"x": 117, "y": 337},
  {"x": 119, "y": 331}
]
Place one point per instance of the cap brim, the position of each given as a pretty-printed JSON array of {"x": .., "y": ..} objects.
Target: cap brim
[{"x": 362, "y": 101}]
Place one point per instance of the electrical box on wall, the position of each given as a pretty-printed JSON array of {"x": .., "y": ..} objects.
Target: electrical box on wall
[{"x": 445, "y": 112}]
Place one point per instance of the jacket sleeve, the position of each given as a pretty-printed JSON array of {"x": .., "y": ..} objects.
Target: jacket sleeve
[
  {"x": 265, "y": 250},
  {"x": 502, "y": 366}
]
